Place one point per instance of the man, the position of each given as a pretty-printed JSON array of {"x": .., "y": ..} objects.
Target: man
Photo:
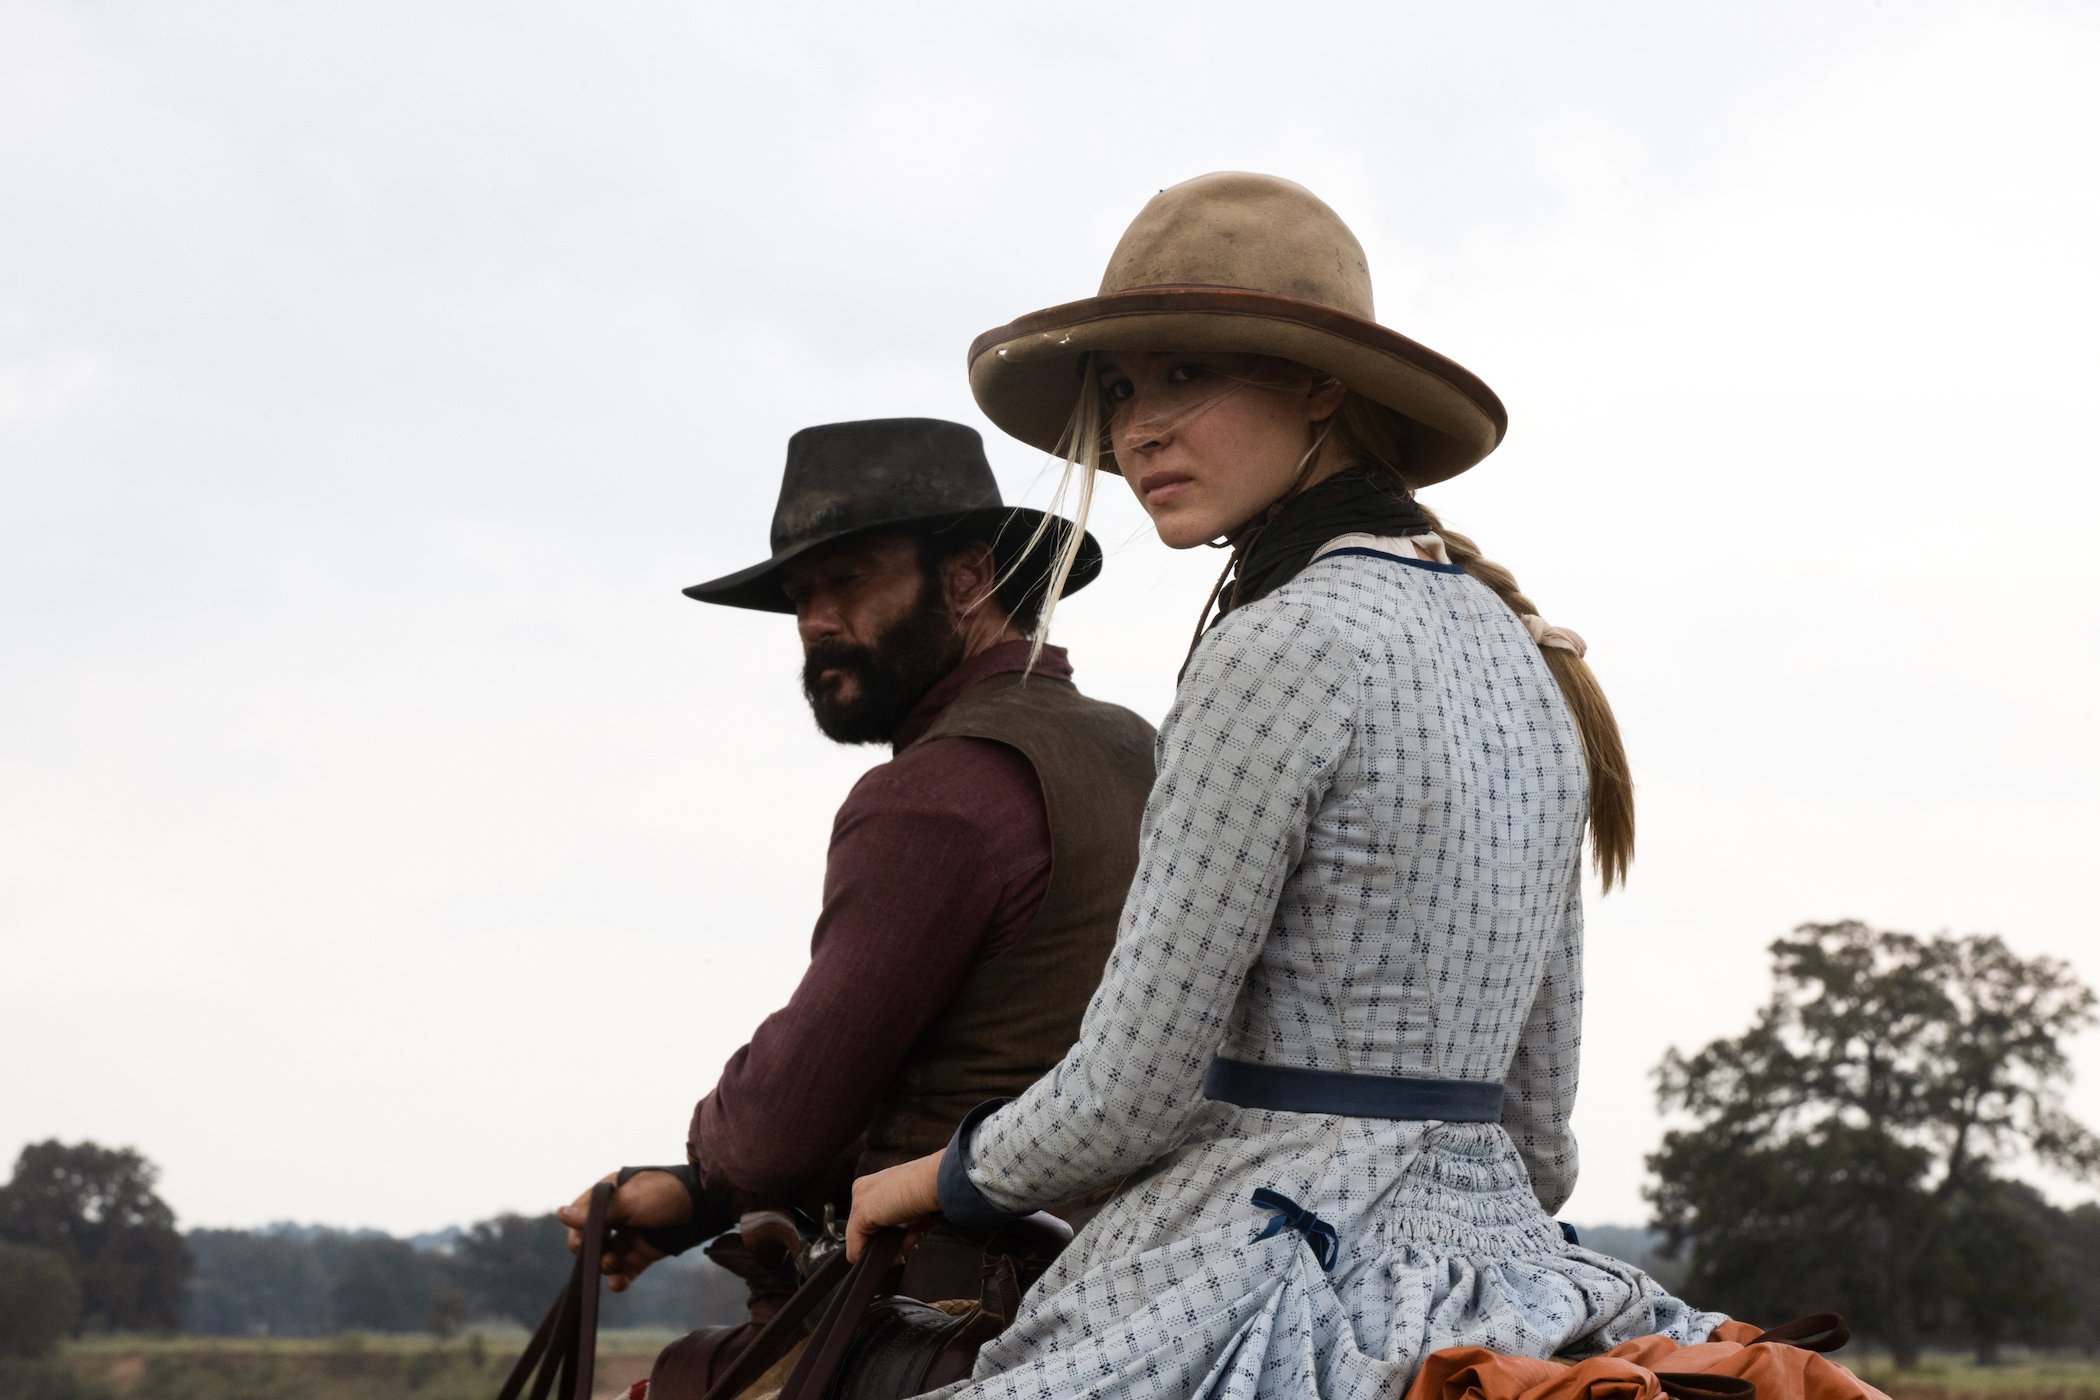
[{"x": 974, "y": 880}]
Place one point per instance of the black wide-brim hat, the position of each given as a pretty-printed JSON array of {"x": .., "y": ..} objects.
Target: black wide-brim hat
[{"x": 919, "y": 476}]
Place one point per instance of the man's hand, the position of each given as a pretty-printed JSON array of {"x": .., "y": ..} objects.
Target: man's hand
[
  {"x": 899, "y": 1195},
  {"x": 649, "y": 1200}
]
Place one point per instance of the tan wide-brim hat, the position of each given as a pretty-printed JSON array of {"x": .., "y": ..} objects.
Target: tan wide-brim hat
[{"x": 1245, "y": 263}]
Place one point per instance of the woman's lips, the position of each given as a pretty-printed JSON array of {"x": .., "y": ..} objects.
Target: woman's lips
[{"x": 1158, "y": 488}]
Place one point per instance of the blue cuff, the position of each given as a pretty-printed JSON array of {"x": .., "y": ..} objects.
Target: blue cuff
[{"x": 967, "y": 1208}]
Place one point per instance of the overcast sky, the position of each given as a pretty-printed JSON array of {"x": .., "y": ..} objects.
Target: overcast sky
[{"x": 385, "y": 841}]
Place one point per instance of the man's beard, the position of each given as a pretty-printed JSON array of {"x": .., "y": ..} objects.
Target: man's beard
[{"x": 892, "y": 674}]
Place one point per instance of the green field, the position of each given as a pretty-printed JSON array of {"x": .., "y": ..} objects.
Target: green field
[
  {"x": 1958, "y": 1378},
  {"x": 350, "y": 1367},
  {"x": 359, "y": 1367}
]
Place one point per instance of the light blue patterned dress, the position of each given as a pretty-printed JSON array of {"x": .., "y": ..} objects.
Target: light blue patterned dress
[{"x": 1362, "y": 854}]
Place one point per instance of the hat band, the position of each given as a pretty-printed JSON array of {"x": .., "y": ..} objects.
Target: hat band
[{"x": 1208, "y": 300}]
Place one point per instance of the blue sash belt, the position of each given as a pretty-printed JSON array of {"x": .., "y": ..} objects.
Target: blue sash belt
[{"x": 1355, "y": 1095}]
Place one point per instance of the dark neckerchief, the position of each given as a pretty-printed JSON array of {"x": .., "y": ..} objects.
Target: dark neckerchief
[{"x": 1356, "y": 500}]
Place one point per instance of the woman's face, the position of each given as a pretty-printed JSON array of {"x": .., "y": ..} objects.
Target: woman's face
[{"x": 1208, "y": 440}]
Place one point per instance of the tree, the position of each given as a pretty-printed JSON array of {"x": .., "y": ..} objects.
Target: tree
[
  {"x": 2077, "y": 1237},
  {"x": 39, "y": 1301},
  {"x": 512, "y": 1266},
  {"x": 448, "y": 1312},
  {"x": 256, "y": 1282},
  {"x": 2001, "y": 1269},
  {"x": 1848, "y": 1146},
  {"x": 385, "y": 1286},
  {"x": 96, "y": 1208}
]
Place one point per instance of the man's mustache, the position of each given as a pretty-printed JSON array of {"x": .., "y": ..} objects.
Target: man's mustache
[{"x": 843, "y": 656}]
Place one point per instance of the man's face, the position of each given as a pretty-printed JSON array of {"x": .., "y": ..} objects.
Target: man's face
[{"x": 876, "y": 634}]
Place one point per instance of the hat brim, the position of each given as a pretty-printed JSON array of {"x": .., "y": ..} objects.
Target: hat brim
[
  {"x": 1025, "y": 375},
  {"x": 758, "y": 587}
]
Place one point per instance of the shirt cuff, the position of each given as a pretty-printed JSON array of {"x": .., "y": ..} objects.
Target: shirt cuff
[
  {"x": 672, "y": 1239},
  {"x": 967, "y": 1208}
]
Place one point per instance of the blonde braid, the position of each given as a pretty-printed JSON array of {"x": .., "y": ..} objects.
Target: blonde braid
[{"x": 1611, "y": 780}]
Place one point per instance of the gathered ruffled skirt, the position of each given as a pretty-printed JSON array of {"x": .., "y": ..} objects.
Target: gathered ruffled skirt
[{"x": 1437, "y": 1241}]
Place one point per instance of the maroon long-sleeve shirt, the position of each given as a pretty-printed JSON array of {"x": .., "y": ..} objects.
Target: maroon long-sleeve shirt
[{"x": 938, "y": 858}]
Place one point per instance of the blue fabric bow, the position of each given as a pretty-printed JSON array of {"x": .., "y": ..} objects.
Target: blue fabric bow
[{"x": 1326, "y": 1244}]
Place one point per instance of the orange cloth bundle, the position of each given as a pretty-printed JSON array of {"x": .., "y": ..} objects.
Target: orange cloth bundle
[
  {"x": 1739, "y": 1362},
  {"x": 1475, "y": 1373}
]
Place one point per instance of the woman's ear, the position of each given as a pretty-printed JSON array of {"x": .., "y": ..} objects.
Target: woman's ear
[{"x": 1325, "y": 397}]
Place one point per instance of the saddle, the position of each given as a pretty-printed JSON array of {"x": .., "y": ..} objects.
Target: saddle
[
  {"x": 888, "y": 1327},
  {"x": 868, "y": 1331}
]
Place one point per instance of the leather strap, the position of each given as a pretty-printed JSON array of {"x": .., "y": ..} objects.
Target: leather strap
[
  {"x": 1705, "y": 1385},
  {"x": 536, "y": 1347},
  {"x": 563, "y": 1350},
  {"x": 827, "y": 1345},
  {"x": 1816, "y": 1332},
  {"x": 1293, "y": 1090},
  {"x": 779, "y": 1335}
]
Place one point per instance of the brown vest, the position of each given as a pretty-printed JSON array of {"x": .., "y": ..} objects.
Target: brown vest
[{"x": 1017, "y": 1012}]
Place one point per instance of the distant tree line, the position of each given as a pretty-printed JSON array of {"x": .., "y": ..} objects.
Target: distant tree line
[
  {"x": 303, "y": 1282},
  {"x": 1853, "y": 1151},
  {"x": 86, "y": 1244}
]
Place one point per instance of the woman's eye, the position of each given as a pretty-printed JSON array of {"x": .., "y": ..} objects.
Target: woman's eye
[
  {"x": 1182, "y": 374},
  {"x": 1116, "y": 390}
]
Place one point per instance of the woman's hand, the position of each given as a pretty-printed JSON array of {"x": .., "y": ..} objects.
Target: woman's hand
[{"x": 899, "y": 1195}]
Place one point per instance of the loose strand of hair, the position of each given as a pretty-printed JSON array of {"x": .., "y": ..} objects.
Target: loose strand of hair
[{"x": 1081, "y": 450}]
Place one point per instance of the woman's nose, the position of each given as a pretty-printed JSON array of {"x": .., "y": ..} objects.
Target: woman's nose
[{"x": 1140, "y": 429}]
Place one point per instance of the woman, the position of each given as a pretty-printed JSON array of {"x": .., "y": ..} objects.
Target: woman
[{"x": 1332, "y": 1059}]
